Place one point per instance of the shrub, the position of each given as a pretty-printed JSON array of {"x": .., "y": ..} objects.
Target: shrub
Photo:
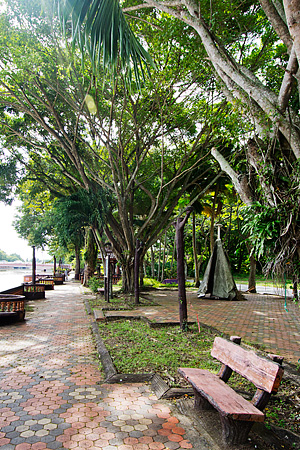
[{"x": 94, "y": 284}]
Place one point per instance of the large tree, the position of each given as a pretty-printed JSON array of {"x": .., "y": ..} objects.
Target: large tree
[
  {"x": 252, "y": 48},
  {"x": 73, "y": 131}
]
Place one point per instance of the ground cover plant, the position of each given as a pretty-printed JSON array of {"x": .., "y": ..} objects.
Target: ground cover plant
[{"x": 137, "y": 348}]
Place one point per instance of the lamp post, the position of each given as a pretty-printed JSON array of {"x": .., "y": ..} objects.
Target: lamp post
[{"x": 33, "y": 264}]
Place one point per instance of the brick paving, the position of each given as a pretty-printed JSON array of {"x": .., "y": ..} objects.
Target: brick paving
[
  {"x": 53, "y": 396},
  {"x": 52, "y": 392}
]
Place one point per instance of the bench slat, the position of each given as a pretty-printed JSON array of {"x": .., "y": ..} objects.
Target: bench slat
[
  {"x": 262, "y": 373},
  {"x": 221, "y": 396}
]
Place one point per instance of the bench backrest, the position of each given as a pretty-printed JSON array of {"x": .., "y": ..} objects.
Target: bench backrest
[{"x": 263, "y": 373}]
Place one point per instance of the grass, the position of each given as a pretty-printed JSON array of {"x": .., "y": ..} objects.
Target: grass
[
  {"x": 136, "y": 348},
  {"x": 261, "y": 281},
  {"x": 238, "y": 278}
]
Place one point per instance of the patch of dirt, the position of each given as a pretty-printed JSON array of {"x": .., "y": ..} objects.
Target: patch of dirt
[{"x": 120, "y": 303}]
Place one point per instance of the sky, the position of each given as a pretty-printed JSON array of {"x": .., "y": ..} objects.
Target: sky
[{"x": 10, "y": 242}]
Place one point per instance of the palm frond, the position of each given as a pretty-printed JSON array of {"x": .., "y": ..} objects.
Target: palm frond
[{"x": 100, "y": 27}]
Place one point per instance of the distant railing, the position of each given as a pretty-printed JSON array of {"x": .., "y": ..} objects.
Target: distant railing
[{"x": 115, "y": 278}]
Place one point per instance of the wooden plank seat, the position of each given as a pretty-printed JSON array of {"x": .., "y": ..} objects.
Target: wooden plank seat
[{"x": 237, "y": 414}]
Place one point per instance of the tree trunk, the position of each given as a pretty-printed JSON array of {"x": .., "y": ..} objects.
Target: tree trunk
[
  {"x": 173, "y": 255},
  {"x": 196, "y": 265},
  {"x": 77, "y": 262},
  {"x": 138, "y": 251},
  {"x": 128, "y": 277},
  {"x": 212, "y": 223},
  {"x": 143, "y": 270},
  {"x": 295, "y": 289},
  {"x": 152, "y": 263},
  {"x": 252, "y": 275},
  {"x": 292, "y": 12},
  {"x": 159, "y": 256},
  {"x": 179, "y": 227},
  {"x": 164, "y": 259},
  {"x": 90, "y": 256}
]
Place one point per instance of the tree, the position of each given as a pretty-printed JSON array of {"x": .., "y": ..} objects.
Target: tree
[
  {"x": 13, "y": 257},
  {"x": 179, "y": 227},
  {"x": 241, "y": 22},
  {"x": 71, "y": 132},
  {"x": 253, "y": 50},
  {"x": 75, "y": 219}
]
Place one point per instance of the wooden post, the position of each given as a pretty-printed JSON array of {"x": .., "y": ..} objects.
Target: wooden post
[
  {"x": 54, "y": 265},
  {"x": 107, "y": 278},
  {"x": 195, "y": 256},
  {"x": 219, "y": 226},
  {"x": 138, "y": 251},
  {"x": 33, "y": 265},
  {"x": 179, "y": 227}
]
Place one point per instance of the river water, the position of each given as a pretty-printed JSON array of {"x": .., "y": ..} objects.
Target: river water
[{"x": 12, "y": 278}]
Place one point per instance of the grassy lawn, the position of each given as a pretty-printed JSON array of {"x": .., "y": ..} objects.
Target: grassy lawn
[
  {"x": 136, "y": 348},
  {"x": 262, "y": 281},
  {"x": 238, "y": 278}
]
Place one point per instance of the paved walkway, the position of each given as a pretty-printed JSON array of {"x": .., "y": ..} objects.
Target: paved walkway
[
  {"x": 52, "y": 393},
  {"x": 263, "y": 319}
]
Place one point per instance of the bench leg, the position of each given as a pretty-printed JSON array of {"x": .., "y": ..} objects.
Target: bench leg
[
  {"x": 200, "y": 402},
  {"x": 235, "y": 431}
]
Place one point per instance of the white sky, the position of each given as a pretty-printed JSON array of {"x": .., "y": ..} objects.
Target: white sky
[{"x": 10, "y": 242}]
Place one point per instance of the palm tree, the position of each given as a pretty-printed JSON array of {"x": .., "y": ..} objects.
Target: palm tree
[{"x": 100, "y": 28}]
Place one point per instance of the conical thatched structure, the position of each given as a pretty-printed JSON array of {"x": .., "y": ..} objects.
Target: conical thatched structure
[{"x": 218, "y": 280}]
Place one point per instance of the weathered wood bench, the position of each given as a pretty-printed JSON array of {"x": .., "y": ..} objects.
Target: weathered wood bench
[{"x": 237, "y": 414}]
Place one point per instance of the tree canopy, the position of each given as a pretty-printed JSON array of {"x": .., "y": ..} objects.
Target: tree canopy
[
  {"x": 226, "y": 85},
  {"x": 72, "y": 131}
]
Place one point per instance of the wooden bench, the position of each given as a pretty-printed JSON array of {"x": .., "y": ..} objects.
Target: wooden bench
[{"x": 211, "y": 391}]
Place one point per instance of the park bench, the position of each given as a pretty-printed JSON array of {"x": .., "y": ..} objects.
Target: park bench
[
  {"x": 170, "y": 281},
  {"x": 237, "y": 414}
]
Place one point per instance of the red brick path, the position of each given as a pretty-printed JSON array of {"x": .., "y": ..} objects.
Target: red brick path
[{"x": 52, "y": 394}]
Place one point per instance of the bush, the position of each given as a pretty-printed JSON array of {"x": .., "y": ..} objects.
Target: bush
[{"x": 94, "y": 284}]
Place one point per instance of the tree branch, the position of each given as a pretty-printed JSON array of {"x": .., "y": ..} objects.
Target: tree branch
[{"x": 243, "y": 191}]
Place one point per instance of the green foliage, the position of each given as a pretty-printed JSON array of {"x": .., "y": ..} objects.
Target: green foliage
[
  {"x": 10, "y": 174},
  {"x": 100, "y": 28},
  {"x": 82, "y": 209},
  {"x": 10, "y": 258},
  {"x": 94, "y": 284},
  {"x": 263, "y": 225},
  {"x": 34, "y": 221}
]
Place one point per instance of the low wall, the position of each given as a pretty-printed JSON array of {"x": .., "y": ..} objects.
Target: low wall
[{"x": 19, "y": 290}]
